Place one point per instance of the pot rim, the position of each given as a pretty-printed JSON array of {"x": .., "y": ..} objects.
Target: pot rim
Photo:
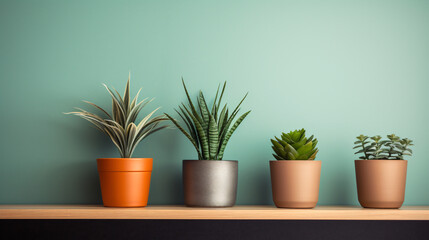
[
  {"x": 125, "y": 158},
  {"x": 376, "y": 160},
  {"x": 295, "y": 160},
  {"x": 191, "y": 160},
  {"x": 124, "y": 164}
]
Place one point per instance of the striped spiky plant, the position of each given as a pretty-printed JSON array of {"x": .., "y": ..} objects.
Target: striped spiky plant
[
  {"x": 208, "y": 130},
  {"x": 120, "y": 126}
]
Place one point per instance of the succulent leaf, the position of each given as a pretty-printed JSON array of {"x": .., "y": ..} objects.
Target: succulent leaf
[
  {"x": 377, "y": 148},
  {"x": 294, "y": 146}
]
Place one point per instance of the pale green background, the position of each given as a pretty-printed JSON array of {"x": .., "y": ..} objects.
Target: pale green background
[{"x": 336, "y": 68}]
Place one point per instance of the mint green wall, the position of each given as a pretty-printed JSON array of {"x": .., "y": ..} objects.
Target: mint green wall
[{"x": 336, "y": 68}]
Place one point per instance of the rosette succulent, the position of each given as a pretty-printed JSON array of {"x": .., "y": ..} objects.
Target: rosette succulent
[{"x": 295, "y": 146}]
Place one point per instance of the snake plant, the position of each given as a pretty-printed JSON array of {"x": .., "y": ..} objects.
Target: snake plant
[
  {"x": 121, "y": 125},
  {"x": 394, "y": 148},
  {"x": 208, "y": 130},
  {"x": 294, "y": 146}
]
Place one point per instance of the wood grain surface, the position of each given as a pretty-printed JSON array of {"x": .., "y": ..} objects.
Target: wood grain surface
[{"x": 237, "y": 212}]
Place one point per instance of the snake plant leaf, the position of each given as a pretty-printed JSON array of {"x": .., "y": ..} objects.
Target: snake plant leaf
[
  {"x": 215, "y": 99},
  {"x": 191, "y": 105},
  {"x": 188, "y": 126},
  {"x": 238, "y": 106},
  {"x": 227, "y": 125},
  {"x": 208, "y": 130},
  {"x": 192, "y": 127},
  {"x": 202, "y": 134},
  {"x": 222, "y": 118},
  {"x": 186, "y": 134},
  {"x": 213, "y": 138},
  {"x": 217, "y": 105},
  {"x": 204, "y": 111},
  {"x": 230, "y": 132}
]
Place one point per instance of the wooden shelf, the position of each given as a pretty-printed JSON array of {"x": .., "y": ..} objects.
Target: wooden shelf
[{"x": 237, "y": 212}]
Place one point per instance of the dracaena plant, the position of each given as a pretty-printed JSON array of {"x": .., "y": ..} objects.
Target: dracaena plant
[
  {"x": 208, "y": 129},
  {"x": 295, "y": 146},
  {"x": 121, "y": 125},
  {"x": 393, "y": 148}
]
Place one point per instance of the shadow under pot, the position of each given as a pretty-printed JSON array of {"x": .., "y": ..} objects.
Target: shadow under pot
[
  {"x": 210, "y": 183},
  {"x": 381, "y": 183},
  {"x": 295, "y": 183},
  {"x": 125, "y": 182}
]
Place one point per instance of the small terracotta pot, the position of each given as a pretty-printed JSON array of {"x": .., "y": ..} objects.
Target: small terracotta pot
[
  {"x": 295, "y": 183},
  {"x": 125, "y": 182},
  {"x": 381, "y": 183}
]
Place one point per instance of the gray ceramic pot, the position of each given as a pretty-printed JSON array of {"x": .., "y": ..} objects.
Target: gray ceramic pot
[{"x": 210, "y": 183}]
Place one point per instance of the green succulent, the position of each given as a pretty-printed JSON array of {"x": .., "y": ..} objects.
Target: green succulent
[
  {"x": 120, "y": 126},
  {"x": 208, "y": 130},
  {"x": 376, "y": 148},
  {"x": 295, "y": 146}
]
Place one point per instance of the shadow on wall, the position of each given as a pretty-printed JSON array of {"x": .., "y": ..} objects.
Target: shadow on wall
[
  {"x": 343, "y": 178},
  {"x": 254, "y": 183},
  {"x": 166, "y": 181},
  {"x": 76, "y": 175},
  {"x": 80, "y": 182}
]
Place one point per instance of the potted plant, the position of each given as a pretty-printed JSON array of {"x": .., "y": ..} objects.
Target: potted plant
[
  {"x": 209, "y": 181},
  {"x": 295, "y": 175},
  {"x": 124, "y": 181},
  {"x": 381, "y": 171}
]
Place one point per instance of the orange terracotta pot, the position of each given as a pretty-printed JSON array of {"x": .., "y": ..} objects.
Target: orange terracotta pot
[
  {"x": 381, "y": 183},
  {"x": 125, "y": 182},
  {"x": 295, "y": 183}
]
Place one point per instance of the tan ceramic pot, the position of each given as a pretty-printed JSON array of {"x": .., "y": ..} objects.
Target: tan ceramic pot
[
  {"x": 295, "y": 183},
  {"x": 381, "y": 183}
]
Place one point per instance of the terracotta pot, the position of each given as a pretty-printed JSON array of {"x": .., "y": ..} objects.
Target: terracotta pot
[
  {"x": 125, "y": 182},
  {"x": 381, "y": 183},
  {"x": 295, "y": 183},
  {"x": 210, "y": 183}
]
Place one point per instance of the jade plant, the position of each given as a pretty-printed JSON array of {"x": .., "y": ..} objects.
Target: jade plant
[
  {"x": 121, "y": 125},
  {"x": 295, "y": 146},
  {"x": 208, "y": 129},
  {"x": 393, "y": 148}
]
